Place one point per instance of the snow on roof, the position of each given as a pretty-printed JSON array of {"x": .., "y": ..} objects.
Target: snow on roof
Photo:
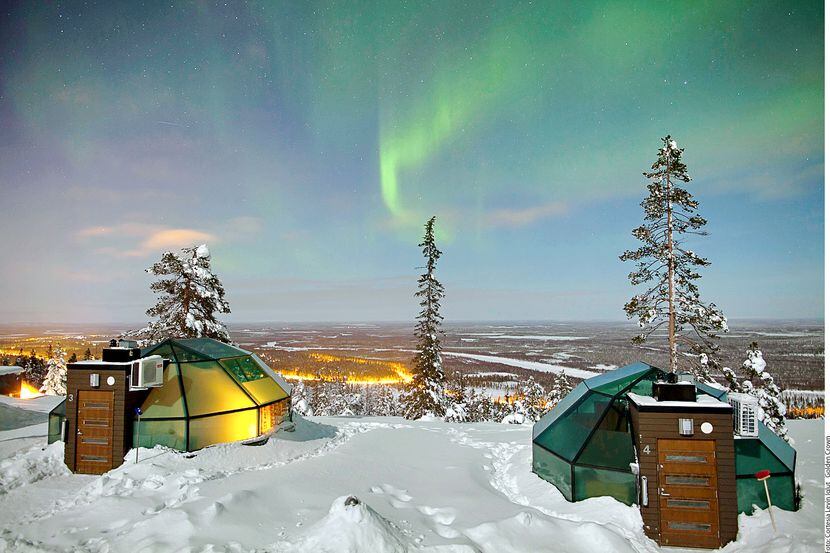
[
  {"x": 11, "y": 369},
  {"x": 702, "y": 402}
]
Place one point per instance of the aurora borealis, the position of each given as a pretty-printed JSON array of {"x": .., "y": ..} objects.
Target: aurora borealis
[{"x": 307, "y": 142}]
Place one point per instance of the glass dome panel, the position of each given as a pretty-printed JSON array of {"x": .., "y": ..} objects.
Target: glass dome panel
[
  {"x": 567, "y": 434},
  {"x": 166, "y": 400},
  {"x": 209, "y": 389}
]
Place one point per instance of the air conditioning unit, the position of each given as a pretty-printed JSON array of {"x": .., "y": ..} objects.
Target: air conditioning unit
[
  {"x": 744, "y": 414},
  {"x": 147, "y": 372}
]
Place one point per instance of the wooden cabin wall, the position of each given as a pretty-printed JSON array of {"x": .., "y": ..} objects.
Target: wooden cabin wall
[{"x": 649, "y": 426}]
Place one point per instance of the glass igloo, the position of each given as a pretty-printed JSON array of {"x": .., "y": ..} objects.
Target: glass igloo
[
  {"x": 584, "y": 445},
  {"x": 212, "y": 393}
]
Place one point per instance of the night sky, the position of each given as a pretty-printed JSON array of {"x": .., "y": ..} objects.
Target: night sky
[{"x": 307, "y": 143}]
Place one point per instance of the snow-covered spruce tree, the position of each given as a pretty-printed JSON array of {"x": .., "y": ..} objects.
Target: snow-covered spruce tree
[
  {"x": 425, "y": 394},
  {"x": 55, "y": 382},
  {"x": 559, "y": 389},
  {"x": 457, "y": 408},
  {"x": 386, "y": 402},
  {"x": 35, "y": 369},
  {"x": 513, "y": 410},
  {"x": 668, "y": 270},
  {"x": 481, "y": 407},
  {"x": 535, "y": 399},
  {"x": 755, "y": 380},
  {"x": 191, "y": 296}
]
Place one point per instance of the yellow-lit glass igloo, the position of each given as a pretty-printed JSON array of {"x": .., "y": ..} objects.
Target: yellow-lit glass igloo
[{"x": 212, "y": 393}]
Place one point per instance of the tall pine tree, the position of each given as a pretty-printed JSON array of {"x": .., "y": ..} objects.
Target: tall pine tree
[
  {"x": 669, "y": 270},
  {"x": 191, "y": 296},
  {"x": 425, "y": 394}
]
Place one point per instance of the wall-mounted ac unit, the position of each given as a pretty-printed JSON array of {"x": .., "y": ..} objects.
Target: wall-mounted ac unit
[
  {"x": 147, "y": 372},
  {"x": 744, "y": 414}
]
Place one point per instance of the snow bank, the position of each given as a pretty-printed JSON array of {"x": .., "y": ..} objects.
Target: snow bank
[{"x": 29, "y": 466}]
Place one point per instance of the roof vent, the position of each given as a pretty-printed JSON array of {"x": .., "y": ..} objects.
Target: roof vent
[
  {"x": 121, "y": 351},
  {"x": 673, "y": 391}
]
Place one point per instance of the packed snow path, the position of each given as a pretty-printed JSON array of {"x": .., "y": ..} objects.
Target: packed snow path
[{"x": 418, "y": 486}]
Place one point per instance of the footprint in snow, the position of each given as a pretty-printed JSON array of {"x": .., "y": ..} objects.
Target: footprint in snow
[
  {"x": 440, "y": 515},
  {"x": 398, "y": 495}
]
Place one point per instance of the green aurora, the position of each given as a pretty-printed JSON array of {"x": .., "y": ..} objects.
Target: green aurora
[{"x": 331, "y": 130}]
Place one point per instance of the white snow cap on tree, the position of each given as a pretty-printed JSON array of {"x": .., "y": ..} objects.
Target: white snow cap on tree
[
  {"x": 755, "y": 362},
  {"x": 55, "y": 382}
]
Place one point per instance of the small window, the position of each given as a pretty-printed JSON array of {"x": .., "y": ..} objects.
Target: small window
[
  {"x": 96, "y": 423},
  {"x": 687, "y": 504},
  {"x": 674, "y": 480},
  {"x": 94, "y": 405},
  {"x": 690, "y": 526},
  {"x": 685, "y": 458},
  {"x": 95, "y": 441}
]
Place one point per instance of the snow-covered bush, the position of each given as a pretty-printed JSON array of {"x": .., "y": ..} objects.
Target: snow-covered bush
[{"x": 755, "y": 380}]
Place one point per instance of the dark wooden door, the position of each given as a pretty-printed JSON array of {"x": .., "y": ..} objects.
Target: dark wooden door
[
  {"x": 93, "y": 449},
  {"x": 688, "y": 487}
]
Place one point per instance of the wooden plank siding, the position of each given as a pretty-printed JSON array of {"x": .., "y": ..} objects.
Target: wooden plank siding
[
  {"x": 124, "y": 403},
  {"x": 651, "y": 426}
]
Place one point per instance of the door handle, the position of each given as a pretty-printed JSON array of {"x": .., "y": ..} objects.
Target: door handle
[{"x": 664, "y": 494}]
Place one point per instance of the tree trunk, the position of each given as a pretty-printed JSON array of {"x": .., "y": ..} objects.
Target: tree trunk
[{"x": 670, "y": 244}]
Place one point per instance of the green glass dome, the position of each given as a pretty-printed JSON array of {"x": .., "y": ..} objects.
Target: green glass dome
[{"x": 584, "y": 446}]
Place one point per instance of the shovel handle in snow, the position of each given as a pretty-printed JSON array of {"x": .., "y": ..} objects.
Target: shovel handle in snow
[{"x": 763, "y": 476}]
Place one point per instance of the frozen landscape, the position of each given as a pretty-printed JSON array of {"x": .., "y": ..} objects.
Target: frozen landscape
[{"x": 417, "y": 486}]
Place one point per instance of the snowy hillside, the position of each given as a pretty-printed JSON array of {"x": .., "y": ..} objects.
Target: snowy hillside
[{"x": 343, "y": 484}]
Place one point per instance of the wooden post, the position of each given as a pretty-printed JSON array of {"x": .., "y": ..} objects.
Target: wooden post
[
  {"x": 763, "y": 476},
  {"x": 670, "y": 243},
  {"x": 137, "y": 433}
]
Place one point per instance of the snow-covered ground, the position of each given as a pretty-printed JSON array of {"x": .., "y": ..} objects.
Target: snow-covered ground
[{"x": 345, "y": 485}]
